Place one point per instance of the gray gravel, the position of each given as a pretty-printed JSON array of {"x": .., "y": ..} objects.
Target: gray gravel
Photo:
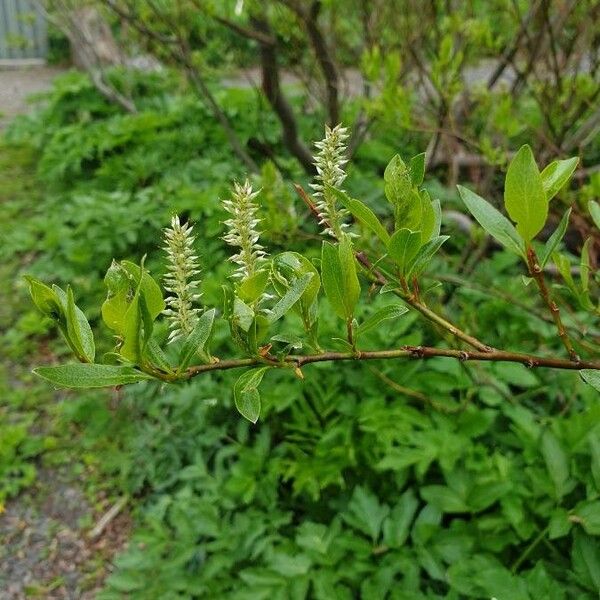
[{"x": 17, "y": 84}]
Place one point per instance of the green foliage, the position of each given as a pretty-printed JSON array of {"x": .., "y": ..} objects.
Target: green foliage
[{"x": 409, "y": 480}]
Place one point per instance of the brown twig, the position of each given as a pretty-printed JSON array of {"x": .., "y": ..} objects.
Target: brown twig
[
  {"x": 536, "y": 271},
  {"x": 406, "y": 353}
]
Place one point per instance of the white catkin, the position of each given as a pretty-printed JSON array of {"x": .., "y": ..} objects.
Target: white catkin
[
  {"x": 242, "y": 231},
  {"x": 330, "y": 161},
  {"x": 180, "y": 279}
]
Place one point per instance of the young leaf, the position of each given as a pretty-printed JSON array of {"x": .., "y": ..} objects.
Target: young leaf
[
  {"x": 196, "y": 341},
  {"x": 400, "y": 193},
  {"x": 79, "y": 330},
  {"x": 252, "y": 287},
  {"x": 556, "y": 462},
  {"x": 119, "y": 285},
  {"x": 286, "y": 268},
  {"x": 349, "y": 275},
  {"x": 594, "y": 209},
  {"x": 132, "y": 330},
  {"x": 149, "y": 288},
  {"x": 557, "y": 174},
  {"x": 493, "y": 221},
  {"x": 340, "y": 281},
  {"x": 246, "y": 395},
  {"x": 363, "y": 213},
  {"x": 591, "y": 377},
  {"x": 428, "y": 217},
  {"x": 555, "y": 239},
  {"x": 425, "y": 254},
  {"x": 44, "y": 298},
  {"x": 403, "y": 247},
  {"x": 290, "y": 298},
  {"x": 155, "y": 356},
  {"x": 393, "y": 311},
  {"x": 524, "y": 195},
  {"x": 417, "y": 168},
  {"x": 85, "y": 375}
]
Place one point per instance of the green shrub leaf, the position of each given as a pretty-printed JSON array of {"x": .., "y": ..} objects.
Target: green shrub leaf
[
  {"x": 393, "y": 311},
  {"x": 557, "y": 174},
  {"x": 196, "y": 341},
  {"x": 363, "y": 213},
  {"x": 340, "y": 281},
  {"x": 594, "y": 209},
  {"x": 555, "y": 239},
  {"x": 290, "y": 297},
  {"x": 83, "y": 375},
  {"x": 493, "y": 221},
  {"x": 79, "y": 330},
  {"x": 246, "y": 395},
  {"x": 404, "y": 246},
  {"x": 524, "y": 195}
]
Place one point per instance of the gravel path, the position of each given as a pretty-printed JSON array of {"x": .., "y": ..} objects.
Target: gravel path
[{"x": 17, "y": 84}]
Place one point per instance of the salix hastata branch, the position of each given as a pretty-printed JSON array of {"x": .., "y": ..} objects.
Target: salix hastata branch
[{"x": 263, "y": 289}]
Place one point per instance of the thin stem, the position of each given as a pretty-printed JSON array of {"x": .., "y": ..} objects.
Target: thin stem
[
  {"x": 406, "y": 352},
  {"x": 536, "y": 271}
]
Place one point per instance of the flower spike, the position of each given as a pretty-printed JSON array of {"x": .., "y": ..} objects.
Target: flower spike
[
  {"x": 330, "y": 161},
  {"x": 183, "y": 266},
  {"x": 242, "y": 230}
]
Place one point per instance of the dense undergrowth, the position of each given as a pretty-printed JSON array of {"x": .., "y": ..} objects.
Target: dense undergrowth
[{"x": 397, "y": 480}]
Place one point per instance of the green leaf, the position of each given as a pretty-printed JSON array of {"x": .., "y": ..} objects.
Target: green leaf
[
  {"x": 71, "y": 327},
  {"x": 289, "y": 266},
  {"x": 79, "y": 330},
  {"x": 349, "y": 275},
  {"x": 365, "y": 513},
  {"x": 403, "y": 247},
  {"x": 591, "y": 377},
  {"x": 400, "y": 193},
  {"x": 252, "y": 287},
  {"x": 83, "y": 375},
  {"x": 44, "y": 298},
  {"x": 594, "y": 209},
  {"x": 119, "y": 285},
  {"x": 397, "y": 526},
  {"x": 585, "y": 556},
  {"x": 524, "y": 195},
  {"x": 425, "y": 254},
  {"x": 363, "y": 213},
  {"x": 245, "y": 393},
  {"x": 417, "y": 168},
  {"x": 393, "y": 311},
  {"x": 340, "y": 281},
  {"x": 555, "y": 239},
  {"x": 428, "y": 223},
  {"x": 557, "y": 174},
  {"x": 290, "y": 298},
  {"x": 156, "y": 356},
  {"x": 132, "y": 330},
  {"x": 556, "y": 462},
  {"x": 149, "y": 288},
  {"x": 196, "y": 341},
  {"x": 444, "y": 498},
  {"x": 243, "y": 315},
  {"x": 493, "y": 221},
  {"x": 589, "y": 517}
]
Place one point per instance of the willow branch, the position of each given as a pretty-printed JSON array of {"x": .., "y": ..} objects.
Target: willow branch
[{"x": 406, "y": 353}]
